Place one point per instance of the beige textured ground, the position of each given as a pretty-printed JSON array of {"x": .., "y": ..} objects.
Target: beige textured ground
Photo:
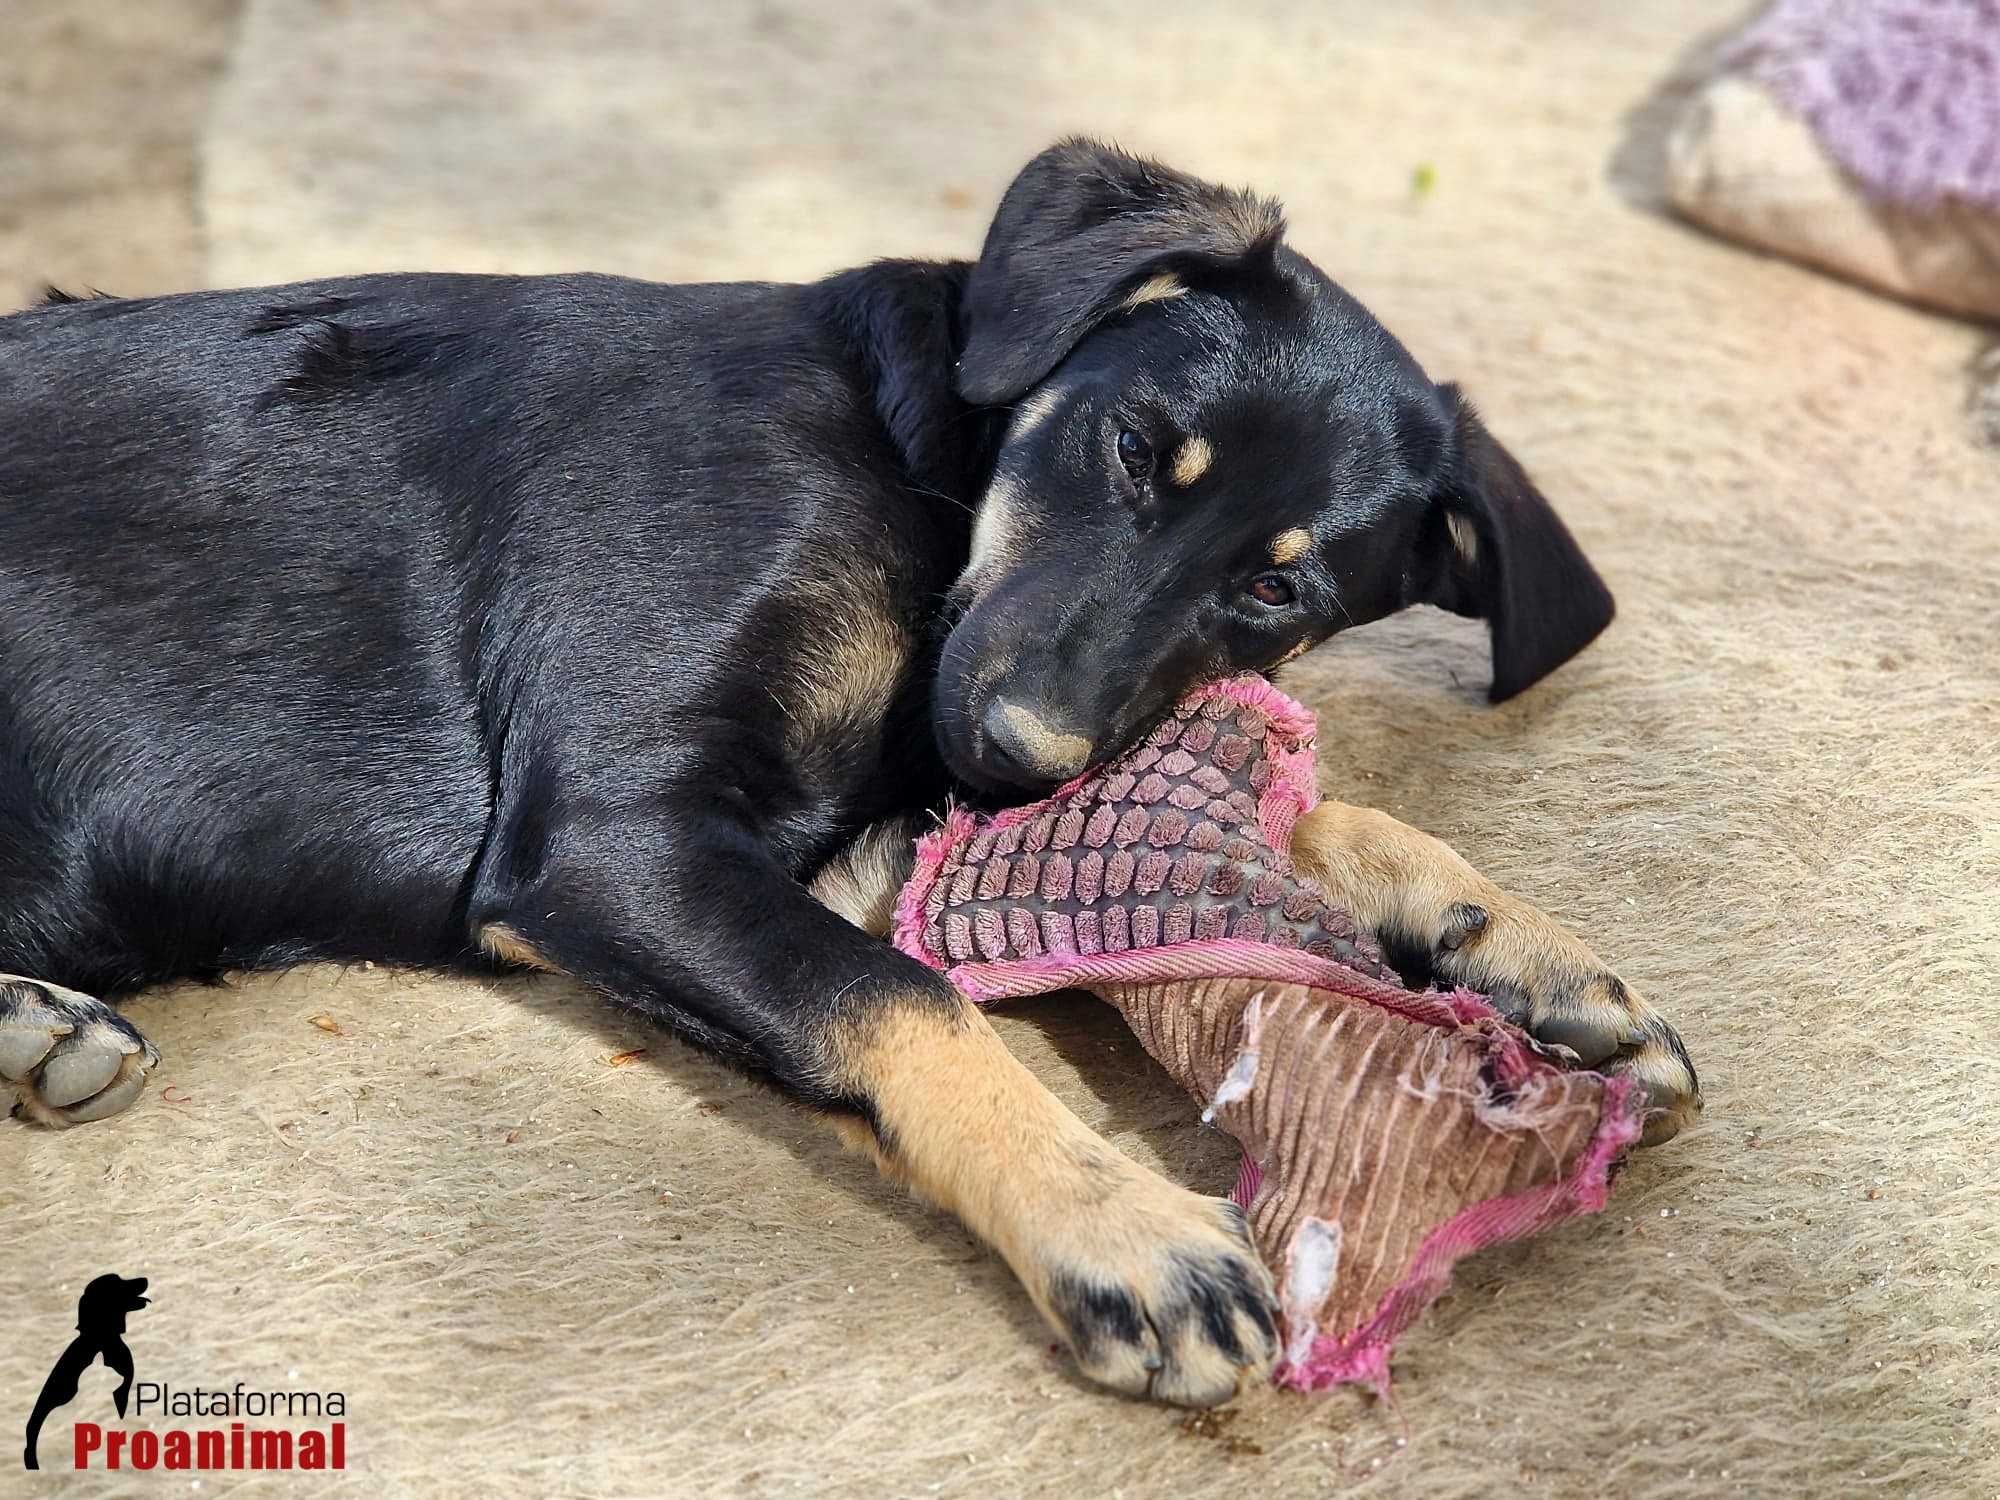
[{"x": 1770, "y": 793}]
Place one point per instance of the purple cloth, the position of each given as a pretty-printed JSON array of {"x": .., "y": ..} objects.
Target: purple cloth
[{"x": 1903, "y": 94}]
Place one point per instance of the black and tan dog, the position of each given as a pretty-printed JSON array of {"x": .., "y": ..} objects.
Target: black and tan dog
[{"x": 595, "y": 625}]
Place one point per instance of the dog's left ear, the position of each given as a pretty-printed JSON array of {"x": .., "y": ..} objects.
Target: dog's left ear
[
  {"x": 1084, "y": 230},
  {"x": 1492, "y": 547}
]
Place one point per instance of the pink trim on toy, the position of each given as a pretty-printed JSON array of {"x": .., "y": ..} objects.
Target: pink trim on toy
[
  {"x": 1208, "y": 958},
  {"x": 908, "y": 931},
  {"x": 1363, "y": 1356}
]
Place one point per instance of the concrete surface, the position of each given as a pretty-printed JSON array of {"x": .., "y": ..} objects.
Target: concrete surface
[{"x": 1770, "y": 794}]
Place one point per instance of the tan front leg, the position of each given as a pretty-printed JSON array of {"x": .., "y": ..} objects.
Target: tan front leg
[
  {"x": 1416, "y": 894},
  {"x": 1158, "y": 1290}
]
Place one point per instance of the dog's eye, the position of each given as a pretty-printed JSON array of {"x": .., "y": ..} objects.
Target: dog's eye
[
  {"x": 1271, "y": 589},
  {"x": 1135, "y": 453}
]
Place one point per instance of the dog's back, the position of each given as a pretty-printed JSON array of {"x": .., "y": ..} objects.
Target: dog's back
[
  {"x": 259, "y": 552},
  {"x": 194, "y": 605}
]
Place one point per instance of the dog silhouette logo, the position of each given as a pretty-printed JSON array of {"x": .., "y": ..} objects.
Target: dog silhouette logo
[{"x": 100, "y": 1334}]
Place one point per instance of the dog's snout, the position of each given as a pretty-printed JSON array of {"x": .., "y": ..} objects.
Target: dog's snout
[{"x": 1027, "y": 745}]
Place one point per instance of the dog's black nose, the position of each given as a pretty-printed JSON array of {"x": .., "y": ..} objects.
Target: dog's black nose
[{"x": 1027, "y": 746}]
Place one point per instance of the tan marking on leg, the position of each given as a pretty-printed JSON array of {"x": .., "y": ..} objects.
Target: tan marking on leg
[
  {"x": 1290, "y": 546},
  {"x": 1161, "y": 288},
  {"x": 853, "y": 651},
  {"x": 862, "y": 882},
  {"x": 965, "y": 1126},
  {"x": 1191, "y": 461},
  {"x": 958, "y": 1113},
  {"x": 1463, "y": 537},
  {"x": 1391, "y": 876},
  {"x": 510, "y": 947}
]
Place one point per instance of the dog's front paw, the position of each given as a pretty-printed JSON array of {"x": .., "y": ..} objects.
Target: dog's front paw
[
  {"x": 69, "y": 1058},
  {"x": 1553, "y": 987},
  {"x": 1158, "y": 1292},
  {"x": 1662, "y": 1069}
]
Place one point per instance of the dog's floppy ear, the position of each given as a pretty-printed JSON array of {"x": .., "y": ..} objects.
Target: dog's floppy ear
[
  {"x": 1084, "y": 229},
  {"x": 1492, "y": 547}
]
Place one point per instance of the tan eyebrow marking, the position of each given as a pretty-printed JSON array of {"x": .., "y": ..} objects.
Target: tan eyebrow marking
[
  {"x": 1290, "y": 546},
  {"x": 1161, "y": 288},
  {"x": 1191, "y": 461}
]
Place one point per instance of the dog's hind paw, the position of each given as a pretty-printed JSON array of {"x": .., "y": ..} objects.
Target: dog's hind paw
[{"x": 69, "y": 1058}]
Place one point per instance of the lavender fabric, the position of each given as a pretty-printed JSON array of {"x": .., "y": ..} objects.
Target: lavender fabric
[{"x": 1903, "y": 94}]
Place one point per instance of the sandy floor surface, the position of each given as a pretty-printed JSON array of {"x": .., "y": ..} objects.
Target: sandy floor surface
[{"x": 1769, "y": 794}]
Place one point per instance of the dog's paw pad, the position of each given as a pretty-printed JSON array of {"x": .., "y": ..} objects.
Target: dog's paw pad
[
  {"x": 1185, "y": 1317},
  {"x": 70, "y": 1059}
]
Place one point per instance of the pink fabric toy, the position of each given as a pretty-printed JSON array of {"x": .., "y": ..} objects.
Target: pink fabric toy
[{"x": 1387, "y": 1133}]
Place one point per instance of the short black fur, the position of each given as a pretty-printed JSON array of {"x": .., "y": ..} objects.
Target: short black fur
[{"x": 365, "y": 618}]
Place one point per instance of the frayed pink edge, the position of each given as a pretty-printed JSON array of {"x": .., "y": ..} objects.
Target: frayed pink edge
[
  {"x": 908, "y": 931},
  {"x": 1362, "y": 1357}
]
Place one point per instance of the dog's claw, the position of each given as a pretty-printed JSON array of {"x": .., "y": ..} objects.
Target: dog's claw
[{"x": 1554, "y": 988}]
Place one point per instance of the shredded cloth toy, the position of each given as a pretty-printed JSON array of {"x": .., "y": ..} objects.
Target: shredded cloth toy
[{"x": 1387, "y": 1133}]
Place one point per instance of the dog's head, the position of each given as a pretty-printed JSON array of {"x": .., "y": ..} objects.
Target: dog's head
[
  {"x": 106, "y": 1301},
  {"x": 1216, "y": 459}
]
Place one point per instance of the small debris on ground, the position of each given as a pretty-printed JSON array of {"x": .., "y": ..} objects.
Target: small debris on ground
[{"x": 1215, "y": 1425}]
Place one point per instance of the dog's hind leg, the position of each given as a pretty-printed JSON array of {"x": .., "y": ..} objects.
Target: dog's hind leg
[
  {"x": 862, "y": 882},
  {"x": 69, "y": 1058}
]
